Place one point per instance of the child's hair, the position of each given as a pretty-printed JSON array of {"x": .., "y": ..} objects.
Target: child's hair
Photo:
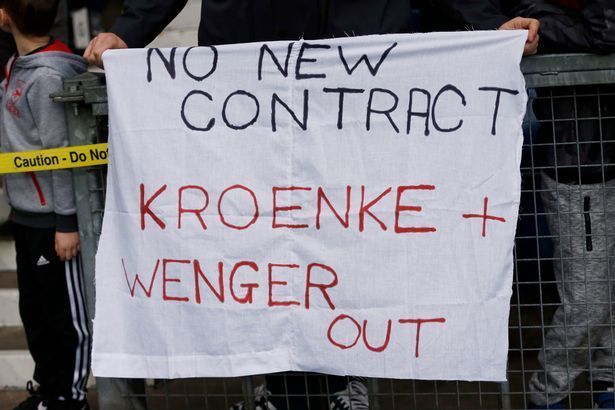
[{"x": 32, "y": 17}]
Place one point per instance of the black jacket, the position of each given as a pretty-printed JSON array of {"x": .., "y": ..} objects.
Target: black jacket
[
  {"x": 451, "y": 15},
  {"x": 589, "y": 29},
  {"x": 562, "y": 29},
  {"x": 241, "y": 21}
]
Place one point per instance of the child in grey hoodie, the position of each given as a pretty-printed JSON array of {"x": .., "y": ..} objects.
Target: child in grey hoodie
[{"x": 51, "y": 302}]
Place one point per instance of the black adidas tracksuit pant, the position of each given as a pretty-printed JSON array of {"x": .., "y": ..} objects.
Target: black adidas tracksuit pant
[{"x": 53, "y": 310}]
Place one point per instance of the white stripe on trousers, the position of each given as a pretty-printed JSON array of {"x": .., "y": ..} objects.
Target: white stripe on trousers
[
  {"x": 87, "y": 345},
  {"x": 77, "y": 307}
]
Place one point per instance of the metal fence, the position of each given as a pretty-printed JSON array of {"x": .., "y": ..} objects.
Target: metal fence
[{"x": 564, "y": 240}]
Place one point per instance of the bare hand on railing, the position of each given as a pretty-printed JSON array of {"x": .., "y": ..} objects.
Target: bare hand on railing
[
  {"x": 67, "y": 245},
  {"x": 99, "y": 44},
  {"x": 531, "y": 25}
]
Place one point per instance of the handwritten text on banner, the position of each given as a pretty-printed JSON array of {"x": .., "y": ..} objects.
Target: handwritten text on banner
[{"x": 345, "y": 206}]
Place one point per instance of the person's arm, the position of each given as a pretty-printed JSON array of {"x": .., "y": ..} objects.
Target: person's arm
[
  {"x": 140, "y": 22},
  {"x": 50, "y": 121}
]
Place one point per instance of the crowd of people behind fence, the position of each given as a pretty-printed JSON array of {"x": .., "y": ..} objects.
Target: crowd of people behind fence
[{"x": 577, "y": 180}]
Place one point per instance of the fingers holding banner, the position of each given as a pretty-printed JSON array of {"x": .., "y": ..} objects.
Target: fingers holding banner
[{"x": 99, "y": 44}]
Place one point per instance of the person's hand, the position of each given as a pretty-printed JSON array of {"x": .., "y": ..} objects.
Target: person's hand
[
  {"x": 531, "y": 25},
  {"x": 67, "y": 245},
  {"x": 100, "y": 44}
]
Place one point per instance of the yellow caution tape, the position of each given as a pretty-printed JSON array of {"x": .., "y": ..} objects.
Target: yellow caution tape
[{"x": 54, "y": 158}]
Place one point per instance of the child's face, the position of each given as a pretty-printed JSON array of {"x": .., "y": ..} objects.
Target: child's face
[{"x": 5, "y": 21}]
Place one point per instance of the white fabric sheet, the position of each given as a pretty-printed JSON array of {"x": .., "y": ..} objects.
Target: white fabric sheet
[{"x": 421, "y": 164}]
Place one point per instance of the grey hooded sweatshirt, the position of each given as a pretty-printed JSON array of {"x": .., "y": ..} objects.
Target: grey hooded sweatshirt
[{"x": 30, "y": 120}]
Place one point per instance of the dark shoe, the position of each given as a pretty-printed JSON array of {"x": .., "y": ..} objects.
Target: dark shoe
[
  {"x": 604, "y": 397},
  {"x": 605, "y": 400},
  {"x": 32, "y": 402}
]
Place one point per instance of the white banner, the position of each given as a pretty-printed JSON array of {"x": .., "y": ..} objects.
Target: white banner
[{"x": 345, "y": 206}]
